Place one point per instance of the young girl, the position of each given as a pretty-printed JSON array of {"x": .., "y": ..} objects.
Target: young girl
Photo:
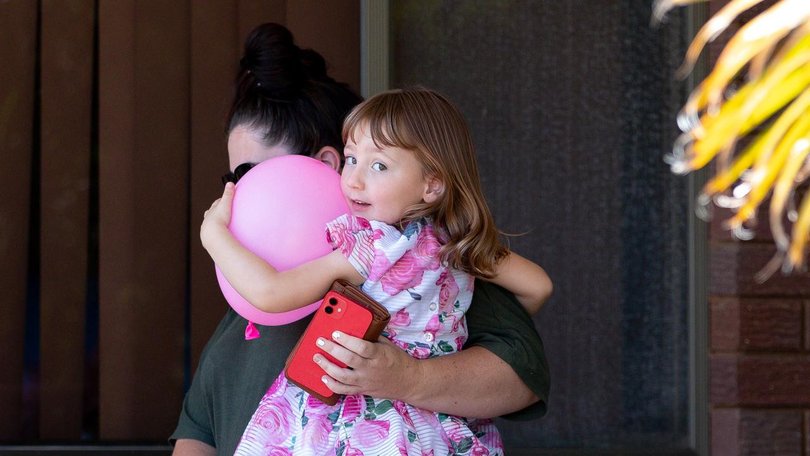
[{"x": 418, "y": 235}]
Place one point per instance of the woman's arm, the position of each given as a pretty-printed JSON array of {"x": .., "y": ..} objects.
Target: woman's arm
[
  {"x": 443, "y": 384},
  {"x": 504, "y": 351},
  {"x": 255, "y": 279},
  {"x": 526, "y": 280},
  {"x": 189, "y": 447}
]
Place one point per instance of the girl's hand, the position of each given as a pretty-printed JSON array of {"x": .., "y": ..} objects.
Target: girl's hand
[
  {"x": 375, "y": 368},
  {"x": 218, "y": 216}
]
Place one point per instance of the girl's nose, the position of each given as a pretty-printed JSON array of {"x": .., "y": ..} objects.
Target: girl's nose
[{"x": 353, "y": 179}]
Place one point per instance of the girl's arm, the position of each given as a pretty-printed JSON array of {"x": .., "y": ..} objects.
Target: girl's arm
[
  {"x": 256, "y": 280},
  {"x": 526, "y": 280}
]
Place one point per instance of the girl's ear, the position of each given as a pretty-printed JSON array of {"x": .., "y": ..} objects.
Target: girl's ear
[
  {"x": 329, "y": 156},
  {"x": 434, "y": 188}
]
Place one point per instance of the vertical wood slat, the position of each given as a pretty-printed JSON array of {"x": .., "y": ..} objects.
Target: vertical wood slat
[
  {"x": 116, "y": 180},
  {"x": 332, "y": 29},
  {"x": 141, "y": 298},
  {"x": 66, "y": 87},
  {"x": 18, "y": 29},
  {"x": 251, "y": 13},
  {"x": 144, "y": 141},
  {"x": 214, "y": 58}
]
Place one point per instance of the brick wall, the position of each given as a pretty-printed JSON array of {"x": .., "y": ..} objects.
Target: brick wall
[
  {"x": 759, "y": 353},
  {"x": 759, "y": 341}
]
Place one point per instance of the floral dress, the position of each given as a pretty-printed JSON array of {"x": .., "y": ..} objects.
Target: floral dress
[{"x": 427, "y": 302}]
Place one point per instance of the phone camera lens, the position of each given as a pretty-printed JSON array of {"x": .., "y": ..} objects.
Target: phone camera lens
[
  {"x": 332, "y": 301},
  {"x": 328, "y": 310}
]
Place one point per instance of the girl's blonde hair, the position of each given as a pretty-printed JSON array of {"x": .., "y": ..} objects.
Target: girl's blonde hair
[{"x": 428, "y": 124}]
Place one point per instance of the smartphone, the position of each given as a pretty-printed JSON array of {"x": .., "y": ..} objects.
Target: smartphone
[{"x": 342, "y": 309}]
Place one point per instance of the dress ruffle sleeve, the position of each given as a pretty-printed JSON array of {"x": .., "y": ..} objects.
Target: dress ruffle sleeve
[
  {"x": 377, "y": 249},
  {"x": 355, "y": 237}
]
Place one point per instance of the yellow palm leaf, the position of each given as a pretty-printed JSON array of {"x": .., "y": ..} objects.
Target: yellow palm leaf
[{"x": 770, "y": 56}]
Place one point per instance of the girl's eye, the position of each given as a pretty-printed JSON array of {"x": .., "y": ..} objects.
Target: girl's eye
[
  {"x": 351, "y": 160},
  {"x": 377, "y": 166}
]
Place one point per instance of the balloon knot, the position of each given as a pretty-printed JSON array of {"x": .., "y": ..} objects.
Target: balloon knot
[{"x": 251, "y": 332}]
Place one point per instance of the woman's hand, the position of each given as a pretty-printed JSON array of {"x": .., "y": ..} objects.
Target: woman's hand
[
  {"x": 375, "y": 368},
  {"x": 474, "y": 382},
  {"x": 217, "y": 217}
]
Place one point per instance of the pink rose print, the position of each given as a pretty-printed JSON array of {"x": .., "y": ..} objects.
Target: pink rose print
[
  {"x": 380, "y": 266},
  {"x": 402, "y": 318},
  {"x": 352, "y": 406},
  {"x": 404, "y": 274},
  {"x": 427, "y": 417},
  {"x": 277, "y": 451},
  {"x": 427, "y": 249},
  {"x": 316, "y": 407},
  {"x": 479, "y": 450},
  {"x": 403, "y": 450},
  {"x": 403, "y": 411},
  {"x": 457, "y": 436},
  {"x": 401, "y": 447},
  {"x": 340, "y": 237},
  {"x": 460, "y": 342},
  {"x": 370, "y": 432},
  {"x": 459, "y": 324},
  {"x": 277, "y": 388},
  {"x": 456, "y": 430},
  {"x": 401, "y": 344},
  {"x": 351, "y": 451},
  {"x": 275, "y": 417},
  {"x": 345, "y": 231},
  {"x": 316, "y": 432},
  {"x": 427, "y": 453},
  {"x": 420, "y": 352},
  {"x": 448, "y": 290},
  {"x": 492, "y": 438}
]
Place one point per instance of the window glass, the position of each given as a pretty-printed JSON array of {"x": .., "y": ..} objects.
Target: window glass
[{"x": 572, "y": 107}]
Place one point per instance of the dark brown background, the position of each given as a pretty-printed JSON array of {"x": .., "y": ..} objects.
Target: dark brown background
[{"x": 111, "y": 125}]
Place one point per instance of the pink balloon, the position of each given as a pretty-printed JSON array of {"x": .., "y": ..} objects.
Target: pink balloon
[{"x": 280, "y": 210}]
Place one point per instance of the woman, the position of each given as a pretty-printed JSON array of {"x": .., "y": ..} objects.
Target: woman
[{"x": 286, "y": 103}]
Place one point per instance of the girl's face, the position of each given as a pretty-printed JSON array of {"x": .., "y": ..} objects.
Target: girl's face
[{"x": 381, "y": 184}]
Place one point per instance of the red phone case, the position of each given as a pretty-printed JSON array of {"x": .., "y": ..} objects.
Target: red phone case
[{"x": 342, "y": 309}]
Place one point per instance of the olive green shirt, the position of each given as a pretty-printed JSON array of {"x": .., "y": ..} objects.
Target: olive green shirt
[{"x": 234, "y": 373}]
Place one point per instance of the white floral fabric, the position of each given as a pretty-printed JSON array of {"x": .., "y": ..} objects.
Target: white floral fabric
[{"x": 427, "y": 302}]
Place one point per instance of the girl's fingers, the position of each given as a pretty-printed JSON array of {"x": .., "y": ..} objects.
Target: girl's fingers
[
  {"x": 212, "y": 207},
  {"x": 227, "y": 192},
  {"x": 227, "y": 200}
]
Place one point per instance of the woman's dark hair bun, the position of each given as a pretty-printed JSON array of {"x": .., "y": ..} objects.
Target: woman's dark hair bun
[
  {"x": 284, "y": 93},
  {"x": 274, "y": 63},
  {"x": 314, "y": 65}
]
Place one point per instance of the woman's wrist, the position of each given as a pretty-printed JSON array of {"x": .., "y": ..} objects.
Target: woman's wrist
[{"x": 415, "y": 387}]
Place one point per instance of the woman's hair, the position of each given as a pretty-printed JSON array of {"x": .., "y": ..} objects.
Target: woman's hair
[
  {"x": 429, "y": 125},
  {"x": 284, "y": 93}
]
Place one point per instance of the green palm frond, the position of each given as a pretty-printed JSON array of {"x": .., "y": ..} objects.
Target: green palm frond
[{"x": 770, "y": 57}]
